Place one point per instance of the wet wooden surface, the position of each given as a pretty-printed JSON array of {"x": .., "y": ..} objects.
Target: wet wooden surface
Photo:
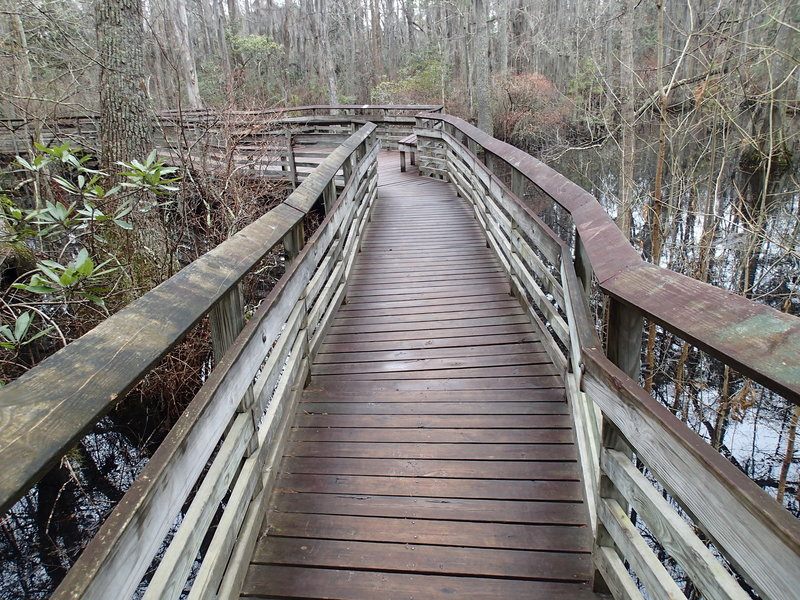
[{"x": 432, "y": 454}]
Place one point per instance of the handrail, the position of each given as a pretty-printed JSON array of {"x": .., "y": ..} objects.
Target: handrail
[
  {"x": 357, "y": 109},
  {"x": 46, "y": 410},
  {"x": 759, "y": 537},
  {"x": 756, "y": 339}
]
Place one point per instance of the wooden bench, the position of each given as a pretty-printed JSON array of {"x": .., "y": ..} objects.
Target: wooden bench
[{"x": 407, "y": 144}]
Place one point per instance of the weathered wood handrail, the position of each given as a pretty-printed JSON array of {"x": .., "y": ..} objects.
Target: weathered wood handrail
[
  {"x": 185, "y": 125},
  {"x": 44, "y": 412},
  {"x": 758, "y": 537},
  {"x": 755, "y": 339}
]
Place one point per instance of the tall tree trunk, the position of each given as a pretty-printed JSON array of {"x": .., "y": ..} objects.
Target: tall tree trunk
[
  {"x": 325, "y": 54},
  {"x": 225, "y": 57},
  {"x": 408, "y": 7},
  {"x": 482, "y": 83},
  {"x": 628, "y": 115},
  {"x": 180, "y": 29},
  {"x": 377, "y": 44},
  {"x": 125, "y": 123},
  {"x": 502, "y": 36}
]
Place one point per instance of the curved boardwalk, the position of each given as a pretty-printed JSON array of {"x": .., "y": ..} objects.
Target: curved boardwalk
[{"x": 432, "y": 454}]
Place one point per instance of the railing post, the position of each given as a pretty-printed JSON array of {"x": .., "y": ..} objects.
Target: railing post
[
  {"x": 518, "y": 184},
  {"x": 488, "y": 160},
  {"x": 294, "y": 240},
  {"x": 583, "y": 267},
  {"x": 227, "y": 321},
  {"x": 347, "y": 169},
  {"x": 329, "y": 195},
  {"x": 624, "y": 341},
  {"x": 290, "y": 159}
]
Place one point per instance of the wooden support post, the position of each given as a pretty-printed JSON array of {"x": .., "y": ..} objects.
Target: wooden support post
[
  {"x": 624, "y": 344},
  {"x": 290, "y": 158},
  {"x": 518, "y": 184},
  {"x": 583, "y": 268},
  {"x": 347, "y": 169},
  {"x": 329, "y": 195},
  {"x": 403, "y": 161},
  {"x": 294, "y": 241},
  {"x": 227, "y": 320}
]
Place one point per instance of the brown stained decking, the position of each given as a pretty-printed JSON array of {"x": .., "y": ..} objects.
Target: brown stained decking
[{"x": 432, "y": 454}]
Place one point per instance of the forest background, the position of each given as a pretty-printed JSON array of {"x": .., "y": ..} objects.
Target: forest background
[{"x": 681, "y": 116}]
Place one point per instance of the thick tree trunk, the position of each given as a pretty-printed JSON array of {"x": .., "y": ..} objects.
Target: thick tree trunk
[
  {"x": 125, "y": 122},
  {"x": 482, "y": 83},
  {"x": 180, "y": 29}
]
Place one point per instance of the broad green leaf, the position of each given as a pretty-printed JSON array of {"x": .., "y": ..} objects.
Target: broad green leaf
[{"x": 22, "y": 324}]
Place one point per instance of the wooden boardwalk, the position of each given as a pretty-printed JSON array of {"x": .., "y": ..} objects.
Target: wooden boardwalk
[{"x": 432, "y": 454}]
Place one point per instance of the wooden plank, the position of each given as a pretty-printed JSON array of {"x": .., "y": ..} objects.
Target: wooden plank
[
  {"x": 429, "y": 531},
  {"x": 431, "y": 315},
  {"x": 523, "y": 331},
  {"x": 519, "y": 564},
  {"x": 615, "y": 574},
  {"x": 422, "y": 282},
  {"x": 496, "y": 279},
  {"x": 314, "y": 393},
  {"x": 546, "y": 371},
  {"x": 451, "y": 509},
  {"x": 463, "y": 469},
  {"x": 471, "y": 272},
  {"x": 468, "y": 322},
  {"x": 332, "y": 355},
  {"x": 433, "y": 364},
  {"x": 469, "y": 421},
  {"x": 441, "y": 292},
  {"x": 440, "y": 435},
  {"x": 432, "y": 302},
  {"x": 540, "y": 489},
  {"x": 451, "y": 383},
  {"x": 304, "y": 582},
  {"x": 636, "y": 551},
  {"x": 440, "y": 451},
  {"x": 435, "y": 408}
]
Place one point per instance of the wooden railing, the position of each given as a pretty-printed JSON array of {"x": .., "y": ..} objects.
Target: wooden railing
[
  {"x": 225, "y": 443},
  {"x": 616, "y": 421},
  {"x": 180, "y": 130}
]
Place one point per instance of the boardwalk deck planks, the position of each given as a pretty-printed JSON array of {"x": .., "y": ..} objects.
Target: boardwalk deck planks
[{"x": 432, "y": 452}]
